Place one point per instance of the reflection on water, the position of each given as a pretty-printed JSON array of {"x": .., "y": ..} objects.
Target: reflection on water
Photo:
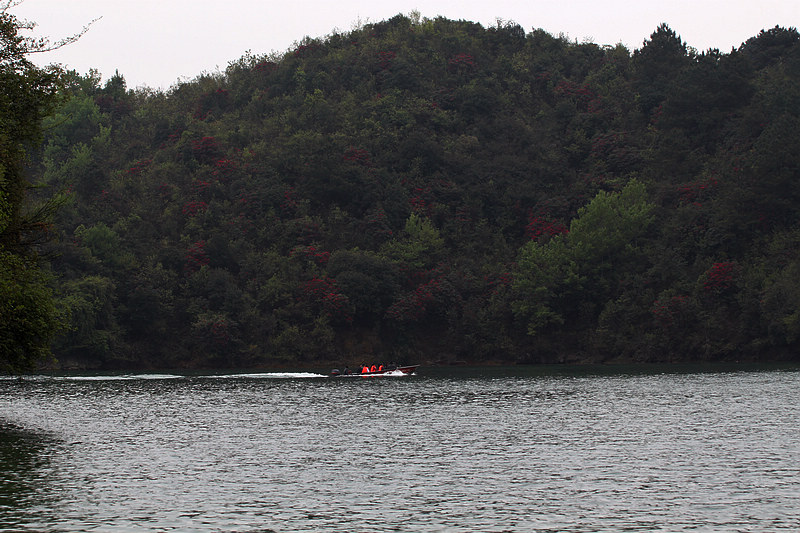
[
  {"x": 498, "y": 449},
  {"x": 24, "y": 468}
]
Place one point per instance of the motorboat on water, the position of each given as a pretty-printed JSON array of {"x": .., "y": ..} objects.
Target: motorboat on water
[{"x": 388, "y": 371}]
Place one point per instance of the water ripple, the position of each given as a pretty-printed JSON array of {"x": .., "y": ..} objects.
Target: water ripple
[{"x": 506, "y": 452}]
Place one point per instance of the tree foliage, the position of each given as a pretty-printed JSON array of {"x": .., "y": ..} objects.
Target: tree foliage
[
  {"x": 433, "y": 189},
  {"x": 28, "y": 316}
]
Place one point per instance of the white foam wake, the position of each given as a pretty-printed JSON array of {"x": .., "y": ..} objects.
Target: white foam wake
[
  {"x": 268, "y": 375},
  {"x": 133, "y": 377}
]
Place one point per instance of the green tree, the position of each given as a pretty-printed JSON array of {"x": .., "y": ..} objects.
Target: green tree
[
  {"x": 28, "y": 315},
  {"x": 27, "y": 94},
  {"x": 656, "y": 64},
  {"x": 421, "y": 247},
  {"x": 264, "y": 214},
  {"x": 574, "y": 274},
  {"x": 93, "y": 332},
  {"x": 369, "y": 281}
]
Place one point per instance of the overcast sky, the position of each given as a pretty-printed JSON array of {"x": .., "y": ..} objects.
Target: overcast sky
[{"x": 155, "y": 43}]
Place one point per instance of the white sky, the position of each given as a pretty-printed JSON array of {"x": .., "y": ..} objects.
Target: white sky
[{"x": 155, "y": 43}]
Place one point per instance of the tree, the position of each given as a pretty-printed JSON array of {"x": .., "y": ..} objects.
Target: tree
[
  {"x": 27, "y": 94},
  {"x": 28, "y": 316},
  {"x": 422, "y": 246},
  {"x": 580, "y": 270},
  {"x": 369, "y": 281},
  {"x": 770, "y": 46},
  {"x": 407, "y": 186},
  {"x": 93, "y": 331},
  {"x": 657, "y": 64}
]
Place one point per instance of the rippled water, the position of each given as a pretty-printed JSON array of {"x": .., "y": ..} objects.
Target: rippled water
[{"x": 446, "y": 450}]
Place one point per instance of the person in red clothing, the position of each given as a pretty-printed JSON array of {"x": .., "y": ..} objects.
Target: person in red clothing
[
  {"x": 373, "y": 368},
  {"x": 365, "y": 369}
]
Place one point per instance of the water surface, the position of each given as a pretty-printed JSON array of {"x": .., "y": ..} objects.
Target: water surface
[{"x": 508, "y": 449}]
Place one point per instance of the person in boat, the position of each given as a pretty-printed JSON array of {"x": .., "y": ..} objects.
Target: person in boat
[
  {"x": 373, "y": 368},
  {"x": 364, "y": 369}
]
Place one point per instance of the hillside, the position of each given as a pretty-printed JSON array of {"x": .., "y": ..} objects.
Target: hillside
[{"x": 433, "y": 190}]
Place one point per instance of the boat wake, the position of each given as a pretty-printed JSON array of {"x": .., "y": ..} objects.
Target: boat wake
[
  {"x": 121, "y": 377},
  {"x": 140, "y": 377},
  {"x": 267, "y": 375},
  {"x": 399, "y": 372}
]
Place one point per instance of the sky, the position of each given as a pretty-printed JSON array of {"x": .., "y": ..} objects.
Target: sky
[{"x": 157, "y": 43}]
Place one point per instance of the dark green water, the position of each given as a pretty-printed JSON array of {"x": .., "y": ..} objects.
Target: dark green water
[{"x": 498, "y": 449}]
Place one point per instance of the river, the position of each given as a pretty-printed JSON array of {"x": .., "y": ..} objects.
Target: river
[{"x": 520, "y": 449}]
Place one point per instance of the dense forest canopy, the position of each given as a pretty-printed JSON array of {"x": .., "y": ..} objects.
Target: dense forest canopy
[{"x": 433, "y": 190}]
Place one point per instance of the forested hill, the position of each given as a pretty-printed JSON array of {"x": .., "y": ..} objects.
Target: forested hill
[{"x": 433, "y": 190}]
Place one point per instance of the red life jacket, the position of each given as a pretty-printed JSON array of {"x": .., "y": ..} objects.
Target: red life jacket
[
  {"x": 380, "y": 368},
  {"x": 373, "y": 369},
  {"x": 365, "y": 370}
]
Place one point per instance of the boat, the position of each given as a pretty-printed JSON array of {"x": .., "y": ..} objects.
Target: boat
[{"x": 390, "y": 371}]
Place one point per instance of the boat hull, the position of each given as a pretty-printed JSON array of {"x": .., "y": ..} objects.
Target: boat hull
[{"x": 399, "y": 371}]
